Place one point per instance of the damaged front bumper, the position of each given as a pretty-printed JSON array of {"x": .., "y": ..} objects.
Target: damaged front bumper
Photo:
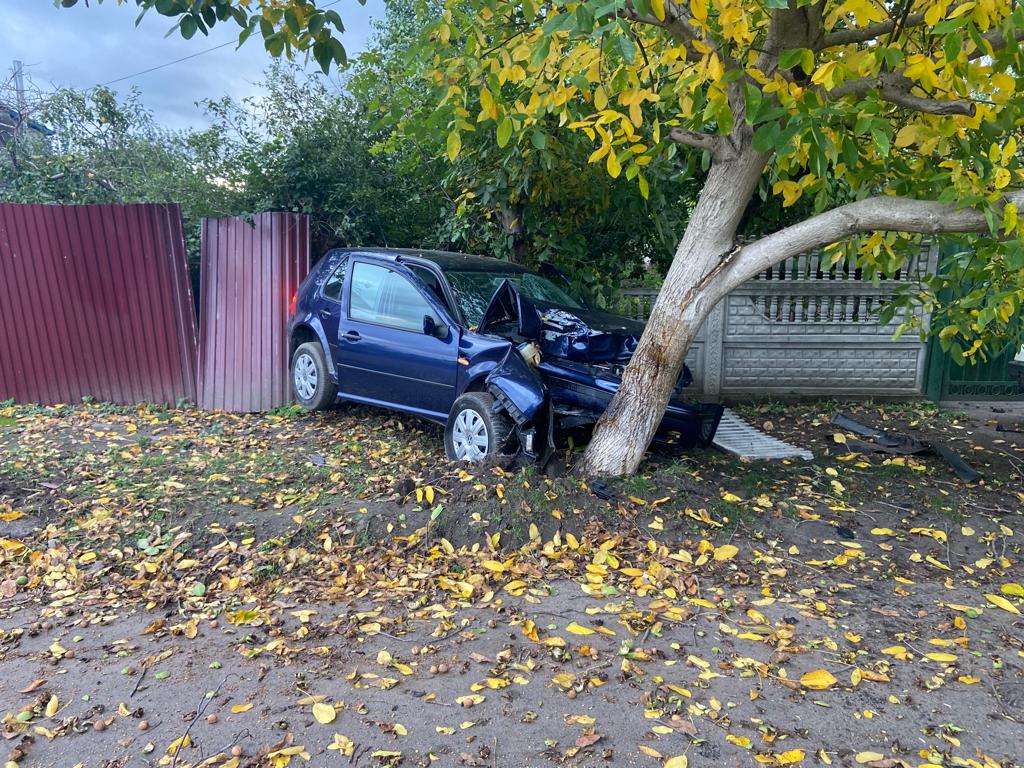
[
  {"x": 561, "y": 395},
  {"x": 562, "y": 371}
]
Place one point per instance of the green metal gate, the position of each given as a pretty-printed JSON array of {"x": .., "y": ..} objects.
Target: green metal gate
[{"x": 989, "y": 380}]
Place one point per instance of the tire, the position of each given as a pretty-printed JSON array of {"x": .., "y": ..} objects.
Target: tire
[
  {"x": 312, "y": 385},
  {"x": 476, "y": 430}
]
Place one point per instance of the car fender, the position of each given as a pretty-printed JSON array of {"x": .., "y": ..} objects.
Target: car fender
[
  {"x": 517, "y": 387},
  {"x": 312, "y": 322}
]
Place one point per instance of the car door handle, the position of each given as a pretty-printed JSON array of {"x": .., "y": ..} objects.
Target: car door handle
[{"x": 351, "y": 336}]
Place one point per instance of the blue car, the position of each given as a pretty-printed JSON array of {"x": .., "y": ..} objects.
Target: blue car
[{"x": 504, "y": 357}]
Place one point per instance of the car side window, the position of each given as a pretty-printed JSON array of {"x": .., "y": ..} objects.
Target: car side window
[
  {"x": 379, "y": 295},
  {"x": 334, "y": 284}
]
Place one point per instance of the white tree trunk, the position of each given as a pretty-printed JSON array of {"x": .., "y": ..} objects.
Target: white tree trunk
[{"x": 690, "y": 290}]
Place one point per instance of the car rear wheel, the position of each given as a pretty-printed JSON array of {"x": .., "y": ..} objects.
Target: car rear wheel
[
  {"x": 475, "y": 429},
  {"x": 312, "y": 385}
]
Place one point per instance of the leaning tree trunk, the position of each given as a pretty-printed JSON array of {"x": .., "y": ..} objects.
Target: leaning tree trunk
[{"x": 691, "y": 288}]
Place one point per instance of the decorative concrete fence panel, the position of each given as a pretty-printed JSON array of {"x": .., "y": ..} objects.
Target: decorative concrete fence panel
[{"x": 798, "y": 330}]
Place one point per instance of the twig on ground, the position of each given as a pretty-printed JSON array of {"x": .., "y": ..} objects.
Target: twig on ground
[
  {"x": 138, "y": 682},
  {"x": 208, "y": 697}
]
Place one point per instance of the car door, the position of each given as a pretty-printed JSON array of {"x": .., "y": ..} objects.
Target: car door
[
  {"x": 329, "y": 307},
  {"x": 384, "y": 355}
]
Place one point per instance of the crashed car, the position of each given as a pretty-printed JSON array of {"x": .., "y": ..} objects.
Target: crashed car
[{"x": 504, "y": 357}]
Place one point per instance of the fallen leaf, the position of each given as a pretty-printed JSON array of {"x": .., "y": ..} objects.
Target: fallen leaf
[
  {"x": 576, "y": 629},
  {"x": 1001, "y": 602},
  {"x": 818, "y": 680},
  {"x": 868, "y": 757},
  {"x": 35, "y": 685},
  {"x": 324, "y": 713}
]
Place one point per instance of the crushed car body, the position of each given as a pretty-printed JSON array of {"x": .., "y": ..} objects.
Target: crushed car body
[{"x": 502, "y": 356}]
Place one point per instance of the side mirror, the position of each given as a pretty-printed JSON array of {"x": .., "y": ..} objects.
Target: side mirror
[{"x": 432, "y": 327}]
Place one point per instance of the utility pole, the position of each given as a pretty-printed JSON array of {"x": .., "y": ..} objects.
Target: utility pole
[
  {"x": 19, "y": 86},
  {"x": 19, "y": 89}
]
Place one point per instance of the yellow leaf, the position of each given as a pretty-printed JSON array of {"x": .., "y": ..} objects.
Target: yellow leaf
[
  {"x": 1012, "y": 588},
  {"x": 941, "y": 657},
  {"x": 869, "y": 757},
  {"x": 658, "y": 6},
  {"x": 840, "y": 438},
  {"x": 342, "y": 744},
  {"x": 52, "y": 706},
  {"x": 401, "y": 730},
  {"x": 789, "y": 757},
  {"x": 576, "y": 629},
  {"x": 731, "y": 498},
  {"x": 614, "y": 169},
  {"x": 454, "y": 147},
  {"x": 726, "y": 552},
  {"x": 739, "y": 741},
  {"x": 324, "y": 713},
  {"x": 1001, "y": 602},
  {"x": 818, "y": 680},
  {"x": 826, "y": 75},
  {"x": 679, "y": 761},
  {"x": 237, "y": 709}
]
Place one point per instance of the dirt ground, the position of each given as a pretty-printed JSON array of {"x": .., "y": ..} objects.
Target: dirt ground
[{"x": 181, "y": 588}]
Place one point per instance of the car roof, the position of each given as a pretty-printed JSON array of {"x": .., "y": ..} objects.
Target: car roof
[{"x": 446, "y": 260}]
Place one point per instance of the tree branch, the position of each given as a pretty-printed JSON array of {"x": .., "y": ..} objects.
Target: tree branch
[
  {"x": 997, "y": 40},
  {"x": 868, "y": 33},
  {"x": 897, "y": 89},
  {"x": 678, "y": 29},
  {"x": 716, "y": 144},
  {"x": 875, "y": 214}
]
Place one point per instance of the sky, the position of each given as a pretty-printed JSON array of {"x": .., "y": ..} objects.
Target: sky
[{"x": 81, "y": 47}]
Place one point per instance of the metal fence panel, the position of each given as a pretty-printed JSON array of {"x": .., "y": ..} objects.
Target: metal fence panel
[
  {"x": 95, "y": 301},
  {"x": 250, "y": 270}
]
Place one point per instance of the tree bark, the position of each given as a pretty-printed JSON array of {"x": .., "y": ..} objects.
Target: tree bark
[{"x": 689, "y": 293}]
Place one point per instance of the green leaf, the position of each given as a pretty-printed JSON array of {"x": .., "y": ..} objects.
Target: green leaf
[
  {"x": 882, "y": 139},
  {"x": 627, "y": 48},
  {"x": 188, "y": 27},
  {"x": 504, "y": 132},
  {"x": 539, "y": 139},
  {"x": 791, "y": 57}
]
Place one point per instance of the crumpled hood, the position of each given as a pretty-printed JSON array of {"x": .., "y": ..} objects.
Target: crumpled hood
[
  {"x": 588, "y": 335},
  {"x": 570, "y": 333}
]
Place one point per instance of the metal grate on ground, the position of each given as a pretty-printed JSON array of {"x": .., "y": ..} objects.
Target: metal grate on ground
[{"x": 738, "y": 437}]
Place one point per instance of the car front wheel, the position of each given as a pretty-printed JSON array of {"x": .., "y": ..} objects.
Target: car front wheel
[
  {"x": 312, "y": 385},
  {"x": 475, "y": 430}
]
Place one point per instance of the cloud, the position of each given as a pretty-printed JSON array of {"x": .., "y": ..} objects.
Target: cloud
[{"x": 81, "y": 47}]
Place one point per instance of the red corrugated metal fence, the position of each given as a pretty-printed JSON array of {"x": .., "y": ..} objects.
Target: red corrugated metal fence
[
  {"x": 250, "y": 269},
  {"x": 95, "y": 301}
]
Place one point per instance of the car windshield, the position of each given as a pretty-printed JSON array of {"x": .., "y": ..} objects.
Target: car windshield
[{"x": 474, "y": 290}]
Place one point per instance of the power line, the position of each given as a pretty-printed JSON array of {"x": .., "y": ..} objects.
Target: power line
[
  {"x": 170, "y": 63},
  {"x": 186, "y": 58}
]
